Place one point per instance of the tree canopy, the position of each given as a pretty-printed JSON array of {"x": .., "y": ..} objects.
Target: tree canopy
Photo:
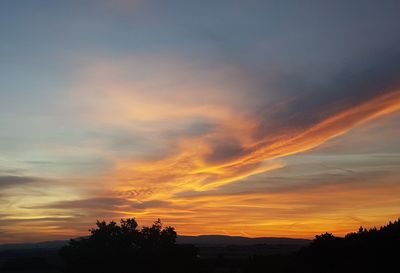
[{"x": 123, "y": 247}]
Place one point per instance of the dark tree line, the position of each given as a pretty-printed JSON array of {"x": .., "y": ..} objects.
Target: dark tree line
[
  {"x": 125, "y": 248},
  {"x": 366, "y": 251}
]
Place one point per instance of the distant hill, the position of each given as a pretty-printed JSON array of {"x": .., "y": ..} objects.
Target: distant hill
[
  {"x": 201, "y": 240},
  {"x": 223, "y": 240},
  {"x": 39, "y": 245}
]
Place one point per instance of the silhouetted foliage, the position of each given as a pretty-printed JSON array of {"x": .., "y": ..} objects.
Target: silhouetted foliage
[
  {"x": 125, "y": 248},
  {"x": 367, "y": 251},
  {"x": 372, "y": 250}
]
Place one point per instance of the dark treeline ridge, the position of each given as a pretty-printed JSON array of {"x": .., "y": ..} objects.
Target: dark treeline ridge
[
  {"x": 368, "y": 251},
  {"x": 126, "y": 248}
]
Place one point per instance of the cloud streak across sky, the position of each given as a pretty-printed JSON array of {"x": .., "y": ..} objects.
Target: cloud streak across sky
[{"x": 216, "y": 118}]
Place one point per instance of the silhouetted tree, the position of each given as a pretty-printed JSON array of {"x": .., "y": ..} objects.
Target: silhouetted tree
[
  {"x": 124, "y": 248},
  {"x": 367, "y": 250}
]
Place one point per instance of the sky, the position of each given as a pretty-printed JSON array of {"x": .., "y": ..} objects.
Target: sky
[{"x": 250, "y": 118}]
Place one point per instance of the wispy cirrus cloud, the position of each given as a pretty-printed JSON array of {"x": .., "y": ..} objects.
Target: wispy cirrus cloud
[{"x": 16, "y": 181}]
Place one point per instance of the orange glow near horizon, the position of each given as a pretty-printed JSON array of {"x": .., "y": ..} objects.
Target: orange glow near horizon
[
  {"x": 186, "y": 184},
  {"x": 165, "y": 179}
]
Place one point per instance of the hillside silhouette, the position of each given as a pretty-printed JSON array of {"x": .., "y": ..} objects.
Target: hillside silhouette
[
  {"x": 123, "y": 247},
  {"x": 367, "y": 250}
]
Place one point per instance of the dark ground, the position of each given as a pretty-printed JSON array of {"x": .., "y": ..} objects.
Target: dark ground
[
  {"x": 374, "y": 250},
  {"x": 217, "y": 253}
]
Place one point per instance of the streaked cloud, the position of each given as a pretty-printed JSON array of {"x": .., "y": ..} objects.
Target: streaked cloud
[{"x": 15, "y": 181}]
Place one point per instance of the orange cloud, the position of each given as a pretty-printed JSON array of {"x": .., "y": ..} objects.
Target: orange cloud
[
  {"x": 188, "y": 169},
  {"x": 314, "y": 211},
  {"x": 301, "y": 213},
  {"x": 190, "y": 165}
]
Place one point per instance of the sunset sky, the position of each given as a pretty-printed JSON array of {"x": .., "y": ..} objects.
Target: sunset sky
[{"x": 251, "y": 118}]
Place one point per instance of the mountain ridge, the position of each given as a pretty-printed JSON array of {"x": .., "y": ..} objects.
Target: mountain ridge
[{"x": 217, "y": 240}]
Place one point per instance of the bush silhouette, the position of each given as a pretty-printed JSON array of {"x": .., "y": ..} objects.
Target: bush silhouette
[
  {"x": 125, "y": 248},
  {"x": 365, "y": 251},
  {"x": 372, "y": 250}
]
